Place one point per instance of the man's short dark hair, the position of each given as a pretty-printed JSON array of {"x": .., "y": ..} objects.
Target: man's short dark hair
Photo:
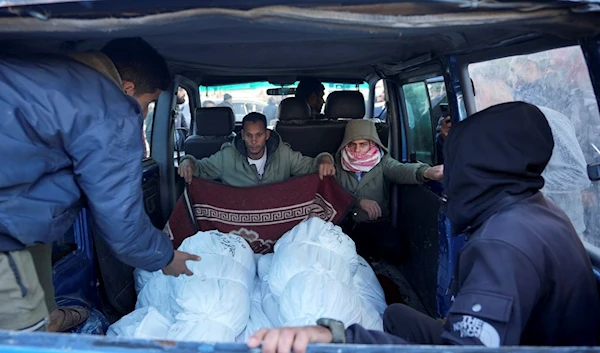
[
  {"x": 308, "y": 86},
  {"x": 138, "y": 62},
  {"x": 227, "y": 96},
  {"x": 254, "y": 118}
]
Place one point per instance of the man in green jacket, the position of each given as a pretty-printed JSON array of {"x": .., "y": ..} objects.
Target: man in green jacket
[{"x": 256, "y": 156}]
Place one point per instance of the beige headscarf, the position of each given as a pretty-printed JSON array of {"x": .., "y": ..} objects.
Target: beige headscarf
[{"x": 101, "y": 63}]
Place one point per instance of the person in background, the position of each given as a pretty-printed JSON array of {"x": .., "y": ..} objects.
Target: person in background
[
  {"x": 365, "y": 168},
  {"x": 270, "y": 111},
  {"x": 523, "y": 277},
  {"x": 227, "y": 101},
  {"x": 208, "y": 104},
  {"x": 534, "y": 83},
  {"x": 93, "y": 152},
  {"x": 566, "y": 173},
  {"x": 443, "y": 128},
  {"x": 256, "y": 156},
  {"x": 182, "y": 119},
  {"x": 312, "y": 91}
]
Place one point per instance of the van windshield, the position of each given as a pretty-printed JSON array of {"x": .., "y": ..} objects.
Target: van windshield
[{"x": 250, "y": 97}]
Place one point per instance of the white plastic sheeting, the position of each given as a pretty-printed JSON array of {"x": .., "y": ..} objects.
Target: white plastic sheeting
[
  {"x": 258, "y": 317},
  {"x": 314, "y": 272},
  {"x": 311, "y": 295},
  {"x": 156, "y": 294},
  {"x": 313, "y": 245},
  {"x": 142, "y": 277},
  {"x": 565, "y": 176},
  {"x": 142, "y": 323},
  {"x": 367, "y": 286}
]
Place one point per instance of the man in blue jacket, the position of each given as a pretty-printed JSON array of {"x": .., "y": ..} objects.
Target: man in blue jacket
[
  {"x": 523, "y": 278},
  {"x": 71, "y": 128}
]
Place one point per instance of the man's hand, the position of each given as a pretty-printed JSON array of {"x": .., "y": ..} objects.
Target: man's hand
[
  {"x": 434, "y": 173},
  {"x": 372, "y": 208},
  {"x": 186, "y": 170},
  {"x": 444, "y": 132},
  {"x": 289, "y": 339},
  {"x": 326, "y": 167},
  {"x": 177, "y": 266}
]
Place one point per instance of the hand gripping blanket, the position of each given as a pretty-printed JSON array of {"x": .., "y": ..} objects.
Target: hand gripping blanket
[{"x": 259, "y": 214}]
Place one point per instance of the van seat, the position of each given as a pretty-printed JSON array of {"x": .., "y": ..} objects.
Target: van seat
[
  {"x": 345, "y": 105},
  {"x": 311, "y": 137},
  {"x": 292, "y": 110},
  {"x": 307, "y": 136},
  {"x": 214, "y": 127}
]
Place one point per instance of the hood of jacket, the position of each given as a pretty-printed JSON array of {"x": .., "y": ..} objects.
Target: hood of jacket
[
  {"x": 101, "y": 63},
  {"x": 361, "y": 129},
  {"x": 493, "y": 159},
  {"x": 272, "y": 144}
]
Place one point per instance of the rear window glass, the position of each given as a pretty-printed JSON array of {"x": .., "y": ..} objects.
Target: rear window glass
[{"x": 558, "y": 82}]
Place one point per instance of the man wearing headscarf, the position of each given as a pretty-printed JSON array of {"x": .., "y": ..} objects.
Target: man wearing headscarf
[{"x": 365, "y": 168}]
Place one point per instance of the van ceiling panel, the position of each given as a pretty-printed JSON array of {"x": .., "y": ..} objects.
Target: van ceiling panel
[{"x": 223, "y": 45}]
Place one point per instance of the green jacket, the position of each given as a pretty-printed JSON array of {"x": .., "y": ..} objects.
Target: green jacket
[
  {"x": 375, "y": 184},
  {"x": 231, "y": 166}
]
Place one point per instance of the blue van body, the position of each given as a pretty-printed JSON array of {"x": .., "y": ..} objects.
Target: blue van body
[{"x": 77, "y": 282}]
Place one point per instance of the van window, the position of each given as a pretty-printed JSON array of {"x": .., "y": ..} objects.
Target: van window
[
  {"x": 557, "y": 81},
  {"x": 182, "y": 119},
  {"x": 147, "y": 130},
  {"x": 420, "y": 120},
  {"x": 380, "y": 103}
]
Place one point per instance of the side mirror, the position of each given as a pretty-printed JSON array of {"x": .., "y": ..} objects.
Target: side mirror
[{"x": 593, "y": 171}]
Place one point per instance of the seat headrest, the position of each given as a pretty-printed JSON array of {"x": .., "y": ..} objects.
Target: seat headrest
[
  {"x": 293, "y": 109},
  {"x": 345, "y": 105},
  {"x": 216, "y": 121}
]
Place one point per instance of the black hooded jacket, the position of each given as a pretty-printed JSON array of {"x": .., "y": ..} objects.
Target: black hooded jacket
[
  {"x": 494, "y": 158},
  {"x": 523, "y": 278}
]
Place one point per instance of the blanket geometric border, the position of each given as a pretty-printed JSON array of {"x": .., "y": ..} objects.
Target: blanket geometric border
[{"x": 318, "y": 207}]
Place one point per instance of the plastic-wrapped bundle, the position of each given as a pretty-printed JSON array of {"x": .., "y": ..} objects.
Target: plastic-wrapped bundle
[
  {"x": 224, "y": 256},
  {"x": 142, "y": 323},
  {"x": 264, "y": 266},
  {"x": 220, "y": 307},
  {"x": 200, "y": 330},
  {"x": 367, "y": 286},
  {"x": 141, "y": 277},
  {"x": 270, "y": 304},
  {"x": 214, "y": 304},
  {"x": 156, "y": 293},
  {"x": 313, "y": 244},
  {"x": 258, "y": 318},
  {"x": 311, "y": 295},
  {"x": 326, "y": 234},
  {"x": 369, "y": 317}
]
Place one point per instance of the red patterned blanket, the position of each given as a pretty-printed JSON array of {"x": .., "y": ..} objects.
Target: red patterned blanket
[{"x": 260, "y": 214}]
